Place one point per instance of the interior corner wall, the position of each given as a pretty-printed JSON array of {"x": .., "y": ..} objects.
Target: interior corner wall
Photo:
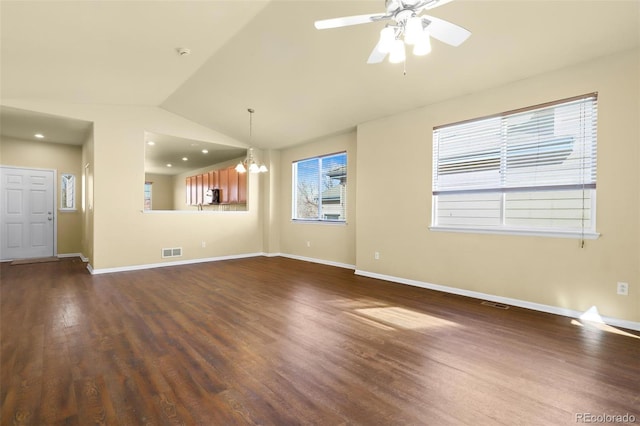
[
  {"x": 319, "y": 241},
  {"x": 271, "y": 203},
  {"x": 395, "y": 159},
  {"x": 86, "y": 203},
  {"x": 63, "y": 158},
  {"x": 123, "y": 234}
]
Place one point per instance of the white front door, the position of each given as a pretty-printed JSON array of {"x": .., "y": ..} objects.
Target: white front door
[{"x": 27, "y": 222}]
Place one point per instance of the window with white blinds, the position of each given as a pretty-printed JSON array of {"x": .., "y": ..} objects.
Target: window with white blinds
[
  {"x": 526, "y": 171},
  {"x": 320, "y": 188}
]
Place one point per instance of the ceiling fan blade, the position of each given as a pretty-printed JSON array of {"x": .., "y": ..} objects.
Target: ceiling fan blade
[
  {"x": 446, "y": 32},
  {"x": 377, "y": 55},
  {"x": 349, "y": 20},
  {"x": 436, "y": 3}
]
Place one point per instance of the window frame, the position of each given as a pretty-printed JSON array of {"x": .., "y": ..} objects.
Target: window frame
[
  {"x": 321, "y": 217},
  {"x": 68, "y": 177},
  {"x": 585, "y": 232}
]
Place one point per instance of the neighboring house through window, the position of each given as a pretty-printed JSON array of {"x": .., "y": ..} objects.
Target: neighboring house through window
[
  {"x": 320, "y": 188},
  {"x": 532, "y": 171}
]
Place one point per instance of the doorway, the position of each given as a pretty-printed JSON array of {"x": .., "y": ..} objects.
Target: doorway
[{"x": 27, "y": 215}]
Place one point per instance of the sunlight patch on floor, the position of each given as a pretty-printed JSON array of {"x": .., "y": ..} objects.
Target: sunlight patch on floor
[
  {"x": 592, "y": 318},
  {"x": 603, "y": 327},
  {"x": 404, "y": 318},
  {"x": 373, "y": 323}
]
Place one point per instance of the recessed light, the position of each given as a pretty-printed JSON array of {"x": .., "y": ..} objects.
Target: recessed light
[
  {"x": 169, "y": 165},
  {"x": 39, "y": 135},
  {"x": 205, "y": 151},
  {"x": 185, "y": 159},
  {"x": 151, "y": 143}
]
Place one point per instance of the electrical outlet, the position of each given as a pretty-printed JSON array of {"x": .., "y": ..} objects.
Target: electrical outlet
[
  {"x": 204, "y": 244},
  {"x": 623, "y": 289},
  {"x": 376, "y": 255},
  {"x": 308, "y": 243}
]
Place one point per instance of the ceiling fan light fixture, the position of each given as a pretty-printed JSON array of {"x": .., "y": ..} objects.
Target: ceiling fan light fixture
[
  {"x": 387, "y": 38},
  {"x": 397, "y": 54},
  {"x": 423, "y": 45},
  {"x": 413, "y": 30}
]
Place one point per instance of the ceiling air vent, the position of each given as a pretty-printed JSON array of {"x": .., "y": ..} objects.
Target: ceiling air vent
[{"x": 172, "y": 252}]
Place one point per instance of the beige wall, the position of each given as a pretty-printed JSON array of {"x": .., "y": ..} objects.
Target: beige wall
[
  {"x": 62, "y": 158},
  {"x": 161, "y": 191},
  {"x": 395, "y": 157},
  {"x": 329, "y": 242}
]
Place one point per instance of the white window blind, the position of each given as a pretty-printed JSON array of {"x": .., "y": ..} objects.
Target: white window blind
[
  {"x": 320, "y": 188},
  {"x": 529, "y": 170}
]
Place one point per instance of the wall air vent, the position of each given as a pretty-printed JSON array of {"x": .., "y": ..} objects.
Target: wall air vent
[
  {"x": 495, "y": 305},
  {"x": 172, "y": 252}
]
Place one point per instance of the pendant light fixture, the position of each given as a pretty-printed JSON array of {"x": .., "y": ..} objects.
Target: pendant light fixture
[{"x": 250, "y": 163}]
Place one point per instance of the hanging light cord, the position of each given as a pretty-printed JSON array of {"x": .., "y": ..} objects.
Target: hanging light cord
[{"x": 251, "y": 111}]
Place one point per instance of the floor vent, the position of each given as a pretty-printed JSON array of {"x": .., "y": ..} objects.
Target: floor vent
[
  {"x": 172, "y": 252},
  {"x": 495, "y": 305}
]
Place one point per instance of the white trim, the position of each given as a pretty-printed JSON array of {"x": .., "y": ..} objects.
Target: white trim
[
  {"x": 80, "y": 255},
  {"x": 632, "y": 325},
  {"x": 271, "y": 254},
  {"x": 197, "y": 211},
  {"x": 320, "y": 222},
  {"x": 322, "y": 261},
  {"x": 174, "y": 263},
  {"x": 587, "y": 235}
]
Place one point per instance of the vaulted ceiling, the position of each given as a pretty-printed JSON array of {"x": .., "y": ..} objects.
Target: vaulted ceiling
[{"x": 302, "y": 82}]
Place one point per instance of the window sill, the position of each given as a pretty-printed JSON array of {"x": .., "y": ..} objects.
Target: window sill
[
  {"x": 68, "y": 210},
  {"x": 522, "y": 232},
  {"x": 321, "y": 222}
]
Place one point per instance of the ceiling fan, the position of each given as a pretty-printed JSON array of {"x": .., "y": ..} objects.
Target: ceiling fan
[{"x": 407, "y": 25}]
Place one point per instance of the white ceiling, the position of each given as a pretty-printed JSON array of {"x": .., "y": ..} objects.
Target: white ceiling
[{"x": 302, "y": 82}]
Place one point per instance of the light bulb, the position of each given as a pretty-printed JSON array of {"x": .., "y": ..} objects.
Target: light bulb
[
  {"x": 397, "y": 53},
  {"x": 240, "y": 168},
  {"x": 413, "y": 30},
  {"x": 263, "y": 168},
  {"x": 423, "y": 45},
  {"x": 253, "y": 168},
  {"x": 387, "y": 37}
]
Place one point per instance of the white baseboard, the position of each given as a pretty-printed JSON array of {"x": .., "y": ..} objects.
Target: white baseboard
[
  {"x": 314, "y": 260},
  {"x": 631, "y": 325},
  {"x": 165, "y": 264},
  {"x": 271, "y": 254},
  {"x": 80, "y": 255}
]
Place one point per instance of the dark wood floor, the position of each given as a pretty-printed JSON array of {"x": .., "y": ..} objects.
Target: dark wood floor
[{"x": 276, "y": 341}]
